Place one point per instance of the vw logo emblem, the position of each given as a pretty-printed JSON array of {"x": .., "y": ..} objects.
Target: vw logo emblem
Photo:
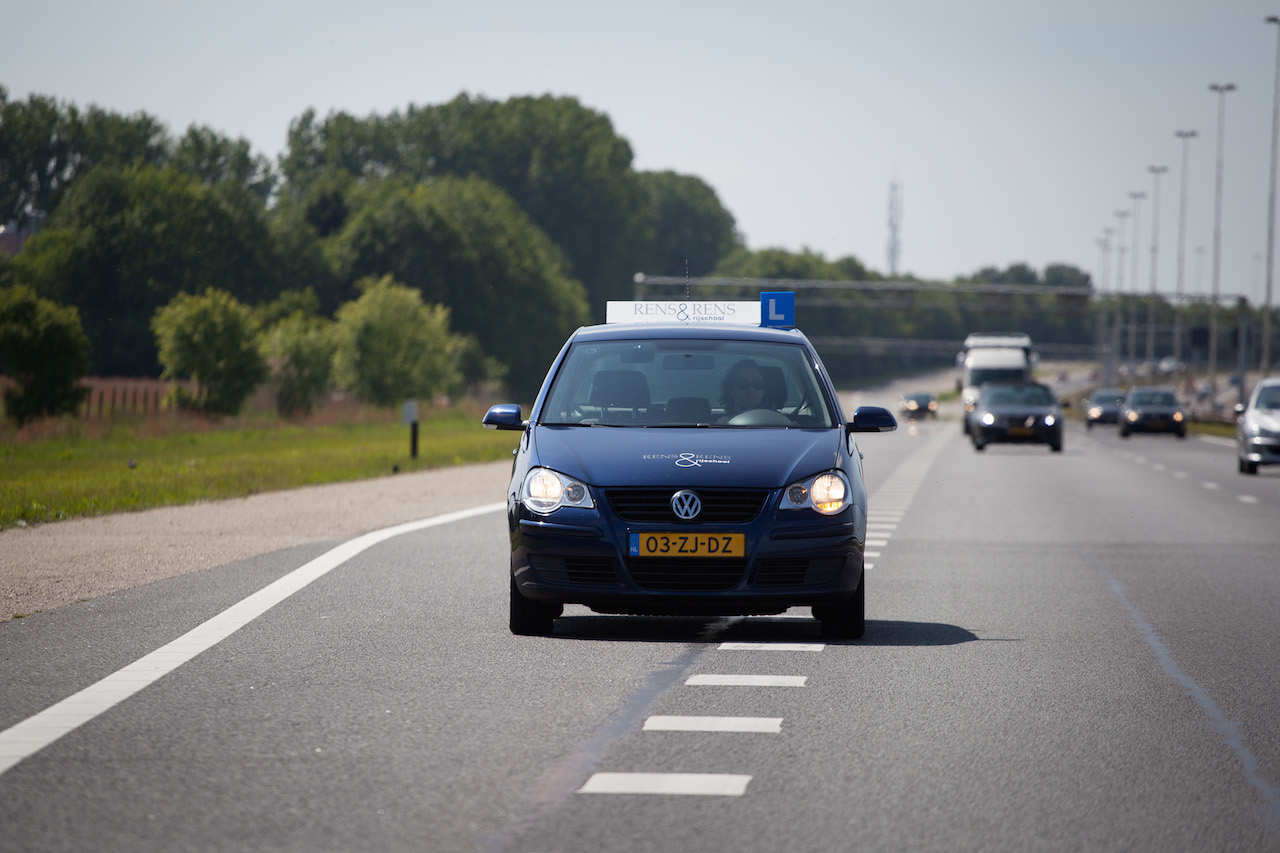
[{"x": 685, "y": 504}]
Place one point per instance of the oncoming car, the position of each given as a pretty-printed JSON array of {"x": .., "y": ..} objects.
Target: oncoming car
[
  {"x": 687, "y": 469},
  {"x": 1258, "y": 428},
  {"x": 918, "y": 404},
  {"x": 1152, "y": 410},
  {"x": 1103, "y": 406},
  {"x": 1019, "y": 412}
]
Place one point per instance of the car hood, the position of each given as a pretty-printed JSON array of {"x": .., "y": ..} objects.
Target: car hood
[
  {"x": 756, "y": 458},
  {"x": 1023, "y": 409},
  {"x": 1268, "y": 419}
]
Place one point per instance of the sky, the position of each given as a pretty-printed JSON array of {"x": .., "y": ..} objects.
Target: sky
[{"x": 1014, "y": 129}]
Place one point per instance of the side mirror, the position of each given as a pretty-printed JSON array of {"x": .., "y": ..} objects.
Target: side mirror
[
  {"x": 504, "y": 416},
  {"x": 871, "y": 419}
]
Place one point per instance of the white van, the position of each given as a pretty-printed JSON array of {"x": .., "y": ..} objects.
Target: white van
[{"x": 992, "y": 358}]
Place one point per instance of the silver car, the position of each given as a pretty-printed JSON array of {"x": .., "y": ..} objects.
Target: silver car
[{"x": 1258, "y": 428}]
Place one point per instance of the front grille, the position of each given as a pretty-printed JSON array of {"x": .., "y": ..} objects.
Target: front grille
[
  {"x": 682, "y": 575},
  {"x": 719, "y": 506},
  {"x": 587, "y": 570},
  {"x": 797, "y": 571}
]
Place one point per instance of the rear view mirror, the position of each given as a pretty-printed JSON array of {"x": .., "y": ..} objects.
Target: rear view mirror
[{"x": 689, "y": 361}]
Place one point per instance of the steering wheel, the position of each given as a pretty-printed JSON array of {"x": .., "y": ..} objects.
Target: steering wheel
[{"x": 759, "y": 417}]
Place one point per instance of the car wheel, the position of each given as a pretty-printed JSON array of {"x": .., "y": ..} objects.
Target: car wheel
[
  {"x": 1182, "y": 433},
  {"x": 979, "y": 445},
  {"x": 847, "y": 620},
  {"x": 1056, "y": 447},
  {"x": 532, "y": 618},
  {"x": 1247, "y": 467},
  {"x": 1124, "y": 433}
]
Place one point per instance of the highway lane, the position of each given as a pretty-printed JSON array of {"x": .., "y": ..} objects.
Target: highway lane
[{"x": 1064, "y": 651}]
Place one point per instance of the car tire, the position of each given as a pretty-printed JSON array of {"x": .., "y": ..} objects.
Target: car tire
[
  {"x": 979, "y": 445},
  {"x": 1056, "y": 447},
  {"x": 1124, "y": 433},
  {"x": 532, "y": 618},
  {"x": 1247, "y": 467},
  {"x": 847, "y": 620}
]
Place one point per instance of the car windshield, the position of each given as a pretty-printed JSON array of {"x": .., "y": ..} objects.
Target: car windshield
[
  {"x": 687, "y": 383},
  {"x": 1268, "y": 398},
  {"x": 1102, "y": 398},
  {"x": 979, "y": 375},
  {"x": 1017, "y": 395},
  {"x": 1152, "y": 398}
]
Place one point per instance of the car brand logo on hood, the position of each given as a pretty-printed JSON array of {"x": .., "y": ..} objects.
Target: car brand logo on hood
[{"x": 686, "y": 504}]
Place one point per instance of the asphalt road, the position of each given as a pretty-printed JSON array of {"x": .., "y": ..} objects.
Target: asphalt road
[{"x": 1072, "y": 651}]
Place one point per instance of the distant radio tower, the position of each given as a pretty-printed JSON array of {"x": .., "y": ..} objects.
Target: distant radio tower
[{"x": 895, "y": 219}]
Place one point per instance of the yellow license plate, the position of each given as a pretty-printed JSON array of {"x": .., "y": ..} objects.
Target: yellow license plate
[
  {"x": 688, "y": 545},
  {"x": 1021, "y": 431}
]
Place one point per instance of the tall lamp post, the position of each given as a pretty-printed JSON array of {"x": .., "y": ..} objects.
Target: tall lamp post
[
  {"x": 1186, "y": 136},
  {"x": 1271, "y": 215},
  {"x": 1114, "y": 333},
  {"x": 1156, "y": 172},
  {"x": 1102, "y": 339},
  {"x": 1137, "y": 197},
  {"x": 1221, "y": 89}
]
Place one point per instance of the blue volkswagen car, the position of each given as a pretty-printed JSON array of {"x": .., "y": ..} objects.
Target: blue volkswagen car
[{"x": 687, "y": 469}]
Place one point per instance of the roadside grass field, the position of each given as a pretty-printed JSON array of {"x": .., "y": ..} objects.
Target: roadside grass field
[{"x": 71, "y": 468}]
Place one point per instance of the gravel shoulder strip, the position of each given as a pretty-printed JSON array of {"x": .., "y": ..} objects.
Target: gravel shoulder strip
[{"x": 50, "y": 565}]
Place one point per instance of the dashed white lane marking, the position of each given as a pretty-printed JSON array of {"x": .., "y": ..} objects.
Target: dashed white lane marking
[
  {"x": 1180, "y": 475},
  {"x": 36, "y": 732},
  {"x": 871, "y": 553},
  {"x": 1246, "y": 499},
  {"x": 772, "y": 647},
  {"x": 881, "y": 526},
  {"x": 876, "y": 543},
  {"x": 707, "y": 784},
  {"x": 710, "y": 680},
  {"x": 758, "y": 725},
  {"x": 1211, "y": 486}
]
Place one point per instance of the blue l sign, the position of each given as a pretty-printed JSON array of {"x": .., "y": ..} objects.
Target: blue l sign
[{"x": 778, "y": 309}]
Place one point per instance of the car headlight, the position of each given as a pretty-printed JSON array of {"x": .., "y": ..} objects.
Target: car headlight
[
  {"x": 545, "y": 491},
  {"x": 988, "y": 419},
  {"x": 1095, "y": 412},
  {"x": 1132, "y": 416},
  {"x": 1050, "y": 420},
  {"x": 827, "y": 493},
  {"x": 1177, "y": 416}
]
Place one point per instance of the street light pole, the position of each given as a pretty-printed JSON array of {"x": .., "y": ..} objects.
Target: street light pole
[
  {"x": 1156, "y": 172},
  {"x": 1271, "y": 215},
  {"x": 1221, "y": 89},
  {"x": 1114, "y": 334},
  {"x": 1186, "y": 136},
  {"x": 1137, "y": 197}
]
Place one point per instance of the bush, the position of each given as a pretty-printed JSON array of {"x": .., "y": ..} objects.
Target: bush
[
  {"x": 299, "y": 351},
  {"x": 392, "y": 346},
  {"x": 211, "y": 339},
  {"x": 43, "y": 348}
]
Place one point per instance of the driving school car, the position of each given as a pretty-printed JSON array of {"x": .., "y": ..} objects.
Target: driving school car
[{"x": 639, "y": 487}]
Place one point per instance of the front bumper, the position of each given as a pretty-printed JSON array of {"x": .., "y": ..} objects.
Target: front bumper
[
  {"x": 807, "y": 562},
  {"x": 1017, "y": 434},
  {"x": 1261, "y": 451}
]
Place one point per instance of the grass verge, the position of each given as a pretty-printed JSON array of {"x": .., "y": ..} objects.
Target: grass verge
[{"x": 134, "y": 466}]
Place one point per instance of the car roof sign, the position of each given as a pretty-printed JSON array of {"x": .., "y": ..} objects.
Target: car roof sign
[{"x": 773, "y": 309}]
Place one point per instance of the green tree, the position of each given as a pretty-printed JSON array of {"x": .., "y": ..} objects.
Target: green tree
[
  {"x": 778, "y": 263},
  {"x": 38, "y": 155},
  {"x": 44, "y": 350},
  {"x": 215, "y": 159},
  {"x": 125, "y": 241},
  {"x": 687, "y": 228},
  {"x": 393, "y": 346},
  {"x": 299, "y": 349},
  {"x": 211, "y": 339}
]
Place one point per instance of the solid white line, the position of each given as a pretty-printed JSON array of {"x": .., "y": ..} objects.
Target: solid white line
[
  {"x": 759, "y": 725},
  {"x": 719, "y": 784},
  {"x": 709, "y": 680},
  {"x": 772, "y": 647},
  {"x": 38, "y": 731}
]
